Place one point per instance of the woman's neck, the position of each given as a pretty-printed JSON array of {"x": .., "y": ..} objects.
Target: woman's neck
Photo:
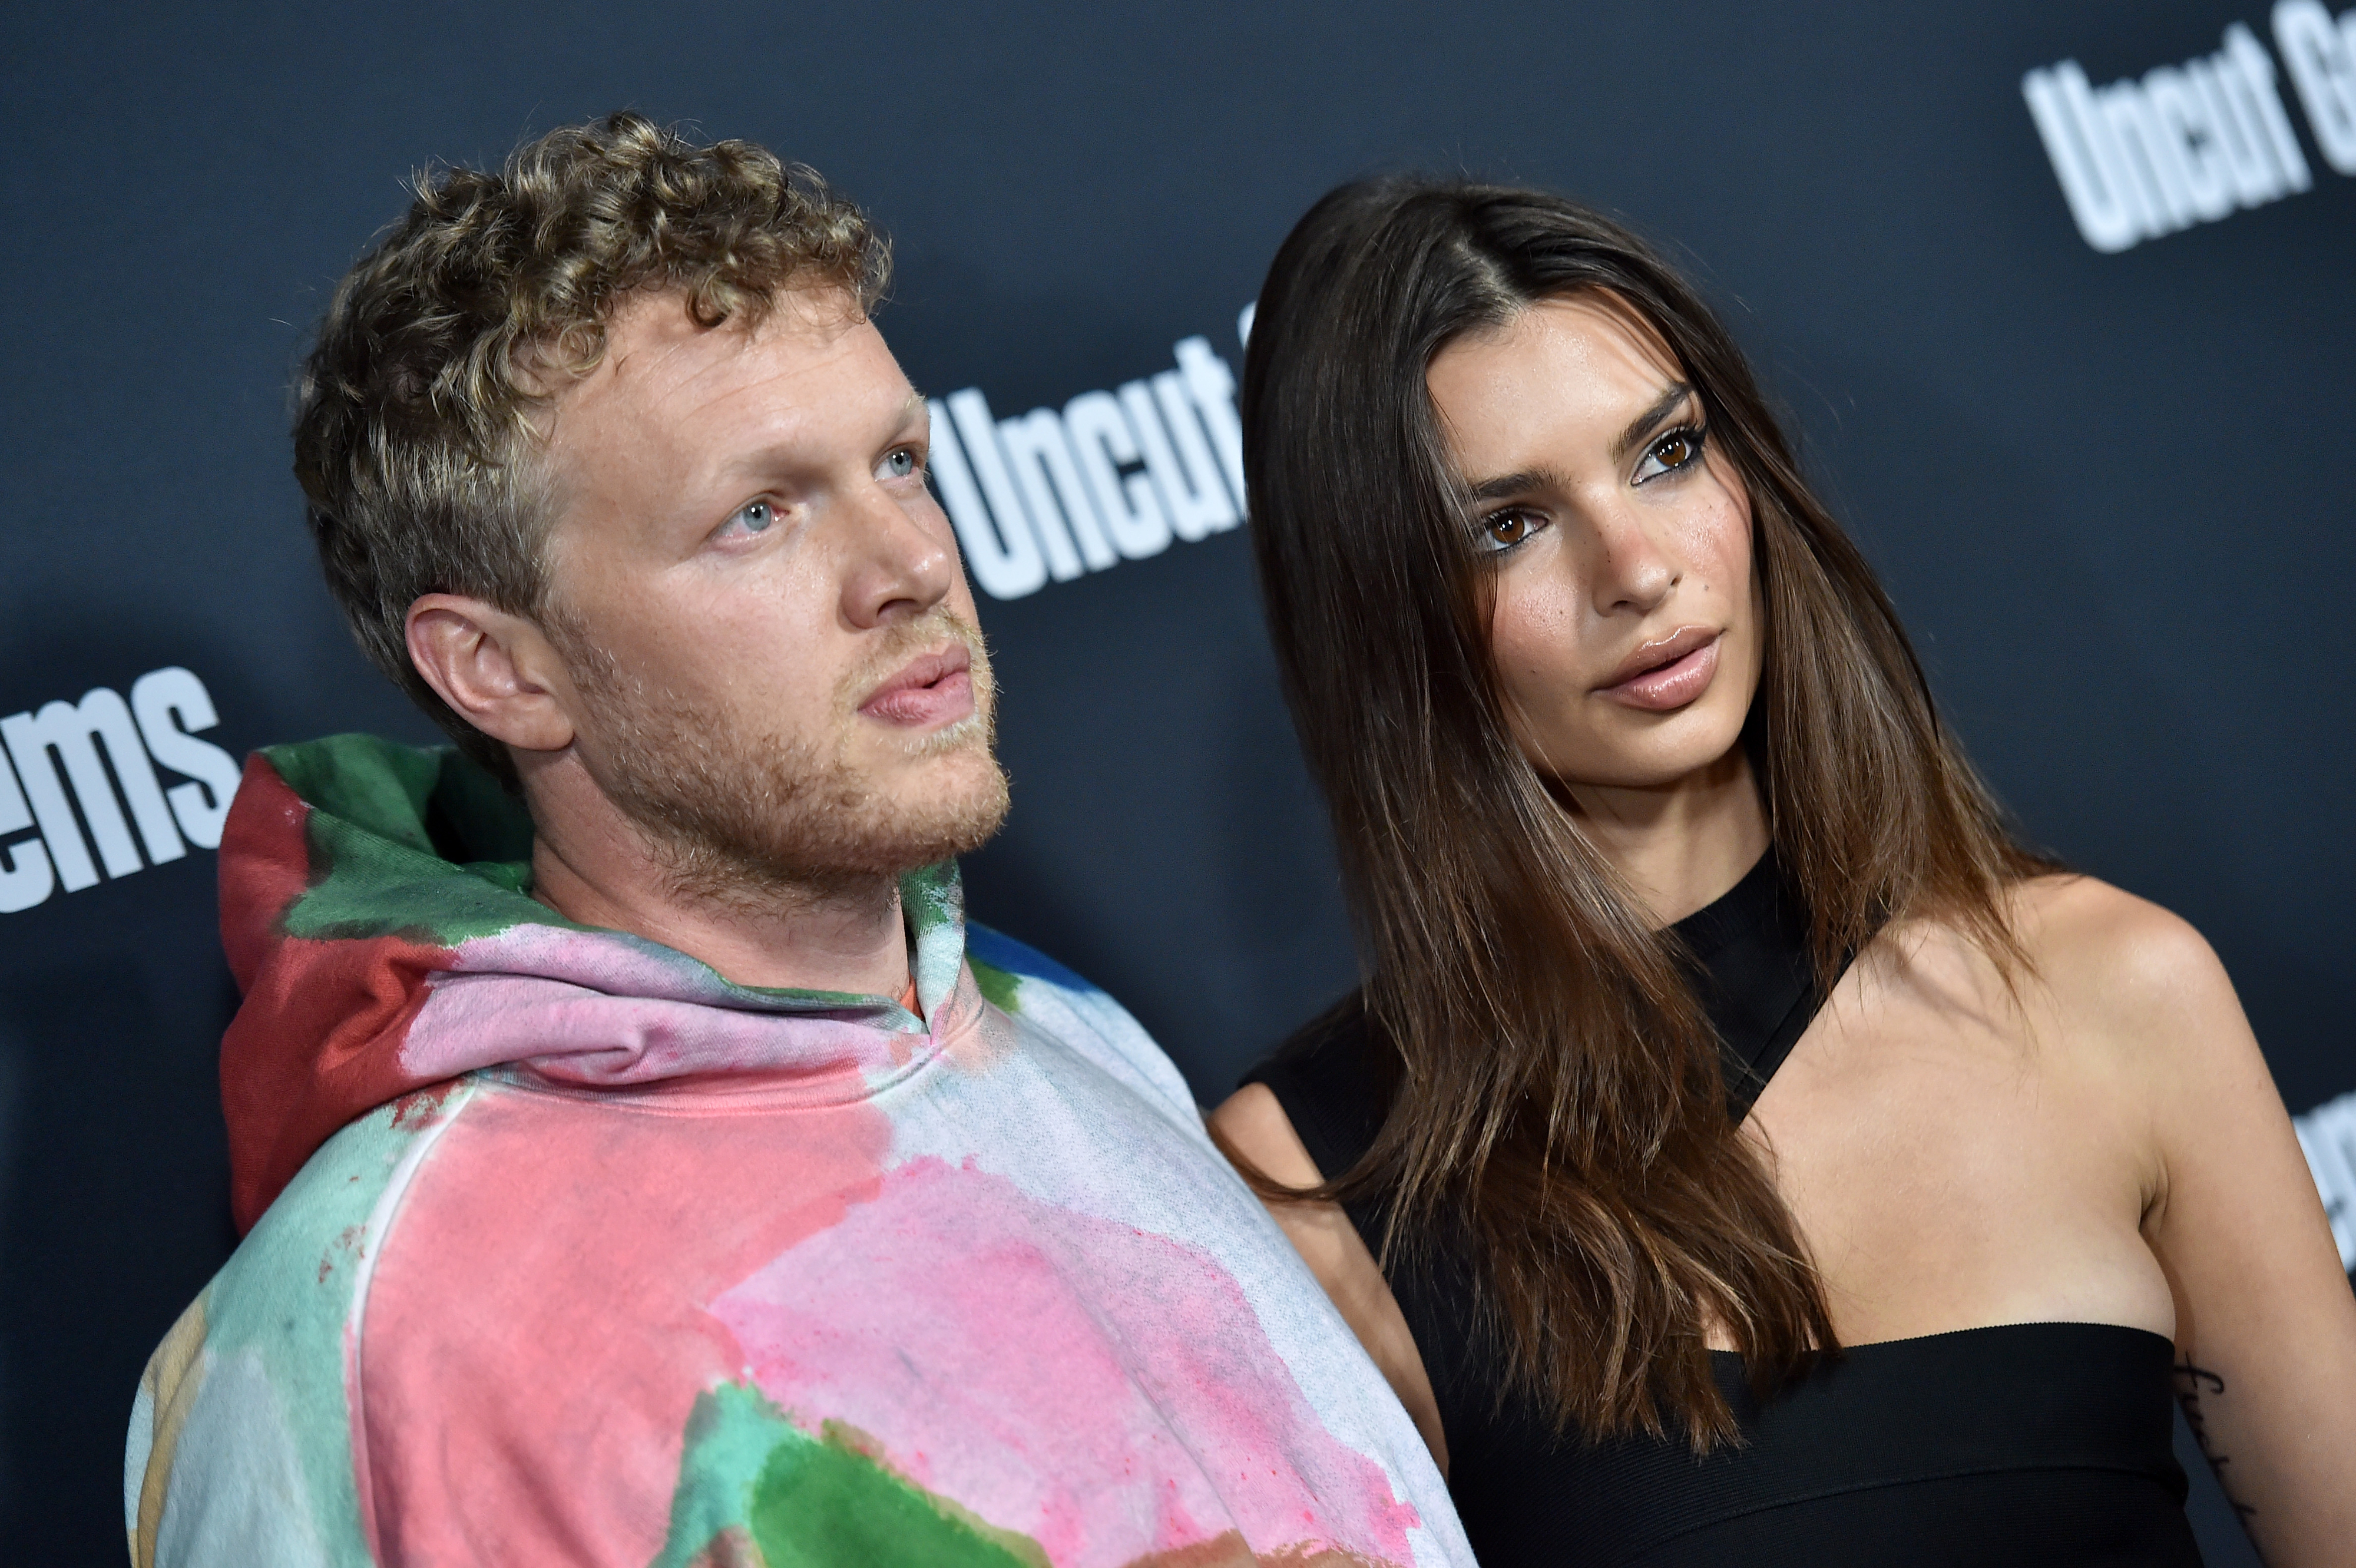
[{"x": 1681, "y": 846}]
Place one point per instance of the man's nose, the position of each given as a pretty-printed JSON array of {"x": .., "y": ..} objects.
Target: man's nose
[{"x": 897, "y": 568}]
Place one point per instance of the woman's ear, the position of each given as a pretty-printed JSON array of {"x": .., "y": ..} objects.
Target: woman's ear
[{"x": 496, "y": 669}]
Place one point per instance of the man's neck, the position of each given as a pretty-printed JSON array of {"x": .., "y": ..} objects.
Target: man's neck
[
  {"x": 844, "y": 935},
  {"x": 1683, "y": 846}
]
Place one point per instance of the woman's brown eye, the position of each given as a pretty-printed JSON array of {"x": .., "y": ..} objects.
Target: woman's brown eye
[
  {"x": 1678, "y": 450},
  {"x": 1507, "y": 531}
]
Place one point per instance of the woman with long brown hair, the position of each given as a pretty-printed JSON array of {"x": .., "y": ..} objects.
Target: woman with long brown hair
[{"x": 1741, "y": 1148}]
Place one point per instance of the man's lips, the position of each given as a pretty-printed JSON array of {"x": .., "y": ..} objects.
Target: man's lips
[
  {"x": 1667, "y": 673},
  {"x": 929, "y": 690}
]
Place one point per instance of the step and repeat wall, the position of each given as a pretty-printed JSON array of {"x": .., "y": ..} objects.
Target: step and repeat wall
[{"x": 2058, "y": 299}]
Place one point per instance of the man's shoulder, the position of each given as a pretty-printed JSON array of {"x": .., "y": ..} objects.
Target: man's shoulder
[
  {"x": 1003, "y": 967},
  {"x": 1034, "y": 989},
  {"x": 240, "y": 1448}
]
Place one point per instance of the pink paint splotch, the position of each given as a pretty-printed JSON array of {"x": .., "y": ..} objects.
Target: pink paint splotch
[
  {"x": 1108, "y": 1391},
  {"x": 592, "y": 1010},
  {"x": 536, "y": 1335}
]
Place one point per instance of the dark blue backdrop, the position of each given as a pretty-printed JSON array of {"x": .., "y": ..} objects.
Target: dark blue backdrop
[{"x": 2107, "y": 489}]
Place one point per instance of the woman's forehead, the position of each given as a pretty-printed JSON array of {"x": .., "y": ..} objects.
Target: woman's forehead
[
  {"x": 1571, "y": 364},
  {"x": 1599, "y": 316}
]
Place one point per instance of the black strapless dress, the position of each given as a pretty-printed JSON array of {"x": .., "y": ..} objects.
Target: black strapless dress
[{"x": 2035, "y": 1444}]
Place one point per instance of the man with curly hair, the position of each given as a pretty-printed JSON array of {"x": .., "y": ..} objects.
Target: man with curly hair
[{"x": 639, "y": 1157}]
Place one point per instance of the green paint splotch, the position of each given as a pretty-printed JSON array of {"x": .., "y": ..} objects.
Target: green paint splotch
[
  {"x": 747, "y": 1474},
  {"x": 423, "y": 846},
  {"x": 387, "y": 825},
  {"x": 997, "y": 986}
]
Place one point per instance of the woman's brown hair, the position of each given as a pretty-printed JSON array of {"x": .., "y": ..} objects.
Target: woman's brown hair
[{"x": 1558, "y": 1096}]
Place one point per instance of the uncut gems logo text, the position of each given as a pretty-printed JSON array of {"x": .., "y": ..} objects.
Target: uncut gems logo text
[
  {"x": 1111, "y": 476},
  {"x": 83, "y": 776},
  {"x": 2197, "y": 142}
]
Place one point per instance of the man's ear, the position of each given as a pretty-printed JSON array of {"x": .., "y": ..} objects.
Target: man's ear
[{"x": 497, "y": 670}]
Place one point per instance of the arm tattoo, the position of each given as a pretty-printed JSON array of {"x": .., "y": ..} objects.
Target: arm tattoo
[{"x": 2191, "y": 1383}]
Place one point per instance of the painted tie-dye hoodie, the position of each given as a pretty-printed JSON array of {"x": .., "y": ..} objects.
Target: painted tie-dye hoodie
[{"x": 561, "y": 1248}]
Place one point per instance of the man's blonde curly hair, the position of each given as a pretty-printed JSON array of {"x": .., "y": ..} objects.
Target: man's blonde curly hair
[{"x": 413, "y": 439}]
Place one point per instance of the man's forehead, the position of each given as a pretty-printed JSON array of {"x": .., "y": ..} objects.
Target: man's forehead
[
  {"x": 654, "y": 336},
  {"x": 813, "y": 354}
]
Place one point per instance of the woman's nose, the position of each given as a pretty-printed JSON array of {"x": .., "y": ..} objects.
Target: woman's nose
[{"x": 1634, "y": 574}]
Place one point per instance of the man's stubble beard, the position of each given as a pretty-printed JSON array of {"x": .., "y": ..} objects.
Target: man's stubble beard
[{"x": 736, "y": 816}]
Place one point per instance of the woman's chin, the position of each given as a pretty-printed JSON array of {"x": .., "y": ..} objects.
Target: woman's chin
[{"x": 1705, "y": 755}]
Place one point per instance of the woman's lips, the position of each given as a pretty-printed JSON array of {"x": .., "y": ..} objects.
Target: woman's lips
[
  {"x": 1671, "y": 685},
  {"x": 930, "y": 692}
]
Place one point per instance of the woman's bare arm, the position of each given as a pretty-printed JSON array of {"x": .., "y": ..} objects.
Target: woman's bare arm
[
  {"x": 2266, "y": 1322},
  {"x": 1255, "y": 1126}
]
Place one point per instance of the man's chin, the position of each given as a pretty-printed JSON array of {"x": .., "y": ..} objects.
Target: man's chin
[
  {"x": 952, "y": 806},
  {"x": 916, "y": 816},
  {"x": 737, "y": 815}
]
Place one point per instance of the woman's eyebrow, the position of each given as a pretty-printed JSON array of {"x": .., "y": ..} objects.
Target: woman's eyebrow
[
  {"x": 1645, "y": 423},
  {"x": 1516, "y": 484},
  {"x": 1627, "y": 441}
]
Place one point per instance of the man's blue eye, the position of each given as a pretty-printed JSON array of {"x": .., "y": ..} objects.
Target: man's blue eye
[
  {"x": 900, "y": 464},
  {"x": 755, "y": 516}
]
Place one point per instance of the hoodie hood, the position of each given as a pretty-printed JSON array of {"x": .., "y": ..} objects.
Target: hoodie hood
[{"x": 377, "y": 914}]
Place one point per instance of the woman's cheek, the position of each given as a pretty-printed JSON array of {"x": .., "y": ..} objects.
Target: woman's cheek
[
  {"x": 1704, "y": 514},
  {"x": 1534, "y": 640},
  {"x": 1729, "y": 534}
]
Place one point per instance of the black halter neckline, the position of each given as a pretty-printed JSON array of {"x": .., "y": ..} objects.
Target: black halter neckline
[{"x": 1747, "y": 953}]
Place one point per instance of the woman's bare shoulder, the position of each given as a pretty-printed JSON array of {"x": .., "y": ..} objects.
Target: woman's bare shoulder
[
  {"x": 2103, "y": 952},
  {"x": 1252, "y": 1123},
  {"x": 2114, "y": 984},
  {"x": 2091, "y": 947}
]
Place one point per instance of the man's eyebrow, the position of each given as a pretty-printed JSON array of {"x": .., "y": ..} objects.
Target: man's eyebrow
[
  {"x": 1644, "y": 423},
  {"x": 785, "y": 454}
]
